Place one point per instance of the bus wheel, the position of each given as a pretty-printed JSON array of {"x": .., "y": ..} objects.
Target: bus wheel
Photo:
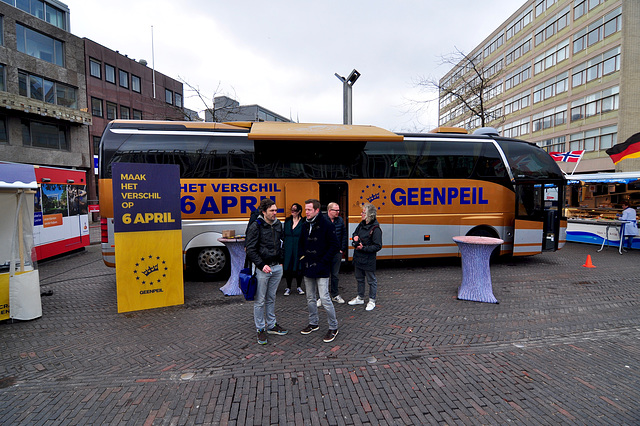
[{"x": 211, "y": 263}]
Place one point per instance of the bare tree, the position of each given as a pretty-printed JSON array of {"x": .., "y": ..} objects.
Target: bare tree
[
  {"x": 218, "y": 112},
  {"x": 470, "y": 86}
]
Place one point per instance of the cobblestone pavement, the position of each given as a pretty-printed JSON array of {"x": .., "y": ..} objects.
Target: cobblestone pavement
[{"x": 562, "y": 347}]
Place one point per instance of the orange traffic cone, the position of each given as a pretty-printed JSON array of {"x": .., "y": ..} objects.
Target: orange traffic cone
[{"x": 588, "y": 264}]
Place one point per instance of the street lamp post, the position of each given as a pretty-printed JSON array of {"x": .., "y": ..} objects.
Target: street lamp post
[{"x": 347, "y": 84}]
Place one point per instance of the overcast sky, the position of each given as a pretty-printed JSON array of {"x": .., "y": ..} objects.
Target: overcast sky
[{"x": 283, "y": 55}]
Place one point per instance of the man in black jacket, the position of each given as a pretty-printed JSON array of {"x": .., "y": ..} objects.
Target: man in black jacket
[
  {"x": 264, "y": 249},
  {"x": 318, "y": 246},
  {"x": 333, "y": 211}
]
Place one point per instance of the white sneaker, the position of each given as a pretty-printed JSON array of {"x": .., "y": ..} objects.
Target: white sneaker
[
  {"x": 356, "y": 301},
  {"x": 287, "y": 291},
  {"x": 319, "y": 303},
  {"x": 338, "y": 299},
  {"x": 370, "y": 305},
  {"x": 300, "y": 291}
]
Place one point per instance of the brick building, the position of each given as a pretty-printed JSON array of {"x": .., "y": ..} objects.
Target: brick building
[{"x": 119, "y": 87}]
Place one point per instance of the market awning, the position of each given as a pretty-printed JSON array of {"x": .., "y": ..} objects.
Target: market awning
[
  {"x": 17, "y": 176},
  {"x": 621, "y": 177}
]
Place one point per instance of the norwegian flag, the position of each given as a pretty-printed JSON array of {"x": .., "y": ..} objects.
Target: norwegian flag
[{"x": 567, "y": 157}]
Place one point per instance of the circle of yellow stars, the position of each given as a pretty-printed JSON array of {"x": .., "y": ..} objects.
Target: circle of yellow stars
[{"x": 151, "y": 265}]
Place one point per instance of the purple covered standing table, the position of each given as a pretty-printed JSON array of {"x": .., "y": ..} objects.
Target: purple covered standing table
[
  {"x": 476, "y": 276},
  {"x": 237, "y": 253}
]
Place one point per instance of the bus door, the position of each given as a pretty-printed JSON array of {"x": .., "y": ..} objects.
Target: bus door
[
  {"x": 298, "y": 192},
  {"x": 335, "y": 192},
  {"x": 552, "y": 215},
  {"x": 530, "y": 220}
]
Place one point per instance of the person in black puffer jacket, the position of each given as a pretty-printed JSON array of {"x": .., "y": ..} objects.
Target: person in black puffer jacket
[
  {"x": 367, "y": 241},
  {"x": 264, "y": 249}
]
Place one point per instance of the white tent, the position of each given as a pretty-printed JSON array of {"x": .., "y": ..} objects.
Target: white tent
[{"x": 19, "y": 279}]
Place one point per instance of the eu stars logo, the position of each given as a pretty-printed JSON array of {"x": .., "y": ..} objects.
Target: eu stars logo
[
  {"x": 150, "y": 270},
  {"x": 372, "y": 193}
]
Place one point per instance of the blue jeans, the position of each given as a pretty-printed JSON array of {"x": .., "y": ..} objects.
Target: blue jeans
[
  {"x": 335, "y": 270},
  {"x": 371, "y": 279},
  {"x": 265, "y": 299},
  {"x": 320, "y": 286}
]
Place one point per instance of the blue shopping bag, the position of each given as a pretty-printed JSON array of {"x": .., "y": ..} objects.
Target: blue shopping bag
[{"x": 248, "y": 283}]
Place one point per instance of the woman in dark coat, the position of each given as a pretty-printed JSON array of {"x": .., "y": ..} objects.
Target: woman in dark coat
[
  {"x": 292, "y": 229},
  {"x": 367, "y": 241}
]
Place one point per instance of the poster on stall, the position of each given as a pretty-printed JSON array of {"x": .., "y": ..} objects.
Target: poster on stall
[{"x": 148, "y": 236}]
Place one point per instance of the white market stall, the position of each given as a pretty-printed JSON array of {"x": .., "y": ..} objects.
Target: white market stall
[
  {"x": 19, "y": 278},
  {"x": 595, "y": 201}
]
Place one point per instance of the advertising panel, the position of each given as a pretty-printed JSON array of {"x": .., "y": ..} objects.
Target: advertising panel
[{"x": 148, "y": 236}]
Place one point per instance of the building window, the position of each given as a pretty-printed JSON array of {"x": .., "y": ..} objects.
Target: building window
[
  {"x": 178, "y": 100},
  {"x": 517, "y": 76},
  {"x": 594, "y": 139},
  {"x": 596, "y": 68},
  {"x": 96, "y": 107},
  {"x": 168, "y": 96},
  {"x": 95, "y": 68},
  {"x": 39, "y": 45},
  {"x": 123, "y": 77},
  {"x": 96, "y": 145},
  {"x": 36, "y": 87},
  {"x": 543, "y": 5},
  {"x": 551, "y": 57},
  {"x": 135, "y": 83},
  {"x": 41, "y": 10},
  {"x": 493, "y": 45},
  {"x": 608, "y": 25},
  {"x": 550, "y": 88},
  {"x": 515, "y": 129},
  {"x": 66, "y": 96},
  {"x": 595, "y": 104},
  {"x": 552, "y": 26},
  {"x": 55, "y": 16},
  {"x": 518, "y": 51},
  {"x": 550, "y": 118},
  {"x": 137, "y": 114},
  {"x": 45, "y": 135},
  {"x": 553, "y": 145},
  {"x": 3, "y": 130},
  {"x": 3, "y": 79},
  {"x": 519, "y": 23},
  {"x": 125, "y": 113},
  {"x": 1, "y": 31},
  {"x": 110, "y": 73},
  {"x": 111, "y": 111},
  {"x": 517, "y": 102}
]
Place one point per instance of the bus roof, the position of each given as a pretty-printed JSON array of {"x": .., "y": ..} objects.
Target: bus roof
[
  {"x": 169, "y": 125},
  {"x": 271, "y": 130}
]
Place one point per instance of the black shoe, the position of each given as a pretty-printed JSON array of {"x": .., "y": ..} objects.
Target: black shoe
[
  {"x": 330, "y": 336},
  {"x": 277, "y": 330},
  {"x": 308, "y": 329},
  {"x": 262, "y": 337}
]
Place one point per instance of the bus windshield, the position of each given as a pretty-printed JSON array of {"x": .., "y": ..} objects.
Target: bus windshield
[{"x": 529, "y": 161}]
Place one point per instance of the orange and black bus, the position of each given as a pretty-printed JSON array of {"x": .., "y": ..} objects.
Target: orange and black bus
[{"x": 427, "y": 187}]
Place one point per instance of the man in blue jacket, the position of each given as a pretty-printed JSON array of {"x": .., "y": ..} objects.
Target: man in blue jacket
[{"x": 318, "y": 246}]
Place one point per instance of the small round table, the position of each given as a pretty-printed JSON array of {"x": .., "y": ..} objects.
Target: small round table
[
  {"x": 476, "y": 276},
  {"x": 237, "y": 253}
]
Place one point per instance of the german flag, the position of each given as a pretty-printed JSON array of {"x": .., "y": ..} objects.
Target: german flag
[{"x": 627, "y": 149}]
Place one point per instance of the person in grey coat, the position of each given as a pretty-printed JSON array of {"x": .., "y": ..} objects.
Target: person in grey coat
[{"x": 367, "y": 241}]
